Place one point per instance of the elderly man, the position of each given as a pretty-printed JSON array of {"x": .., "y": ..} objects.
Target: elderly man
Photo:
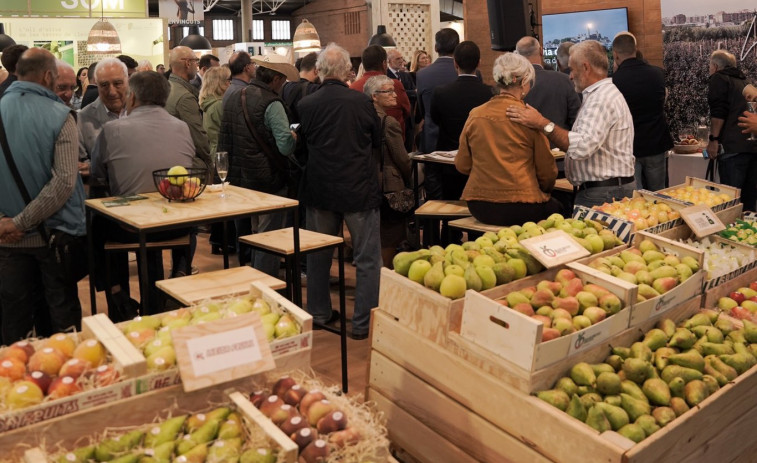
[
  {"x": 124, "y": 158},
  {"x": 563, "y": 57},
  {"x": 242, "y": 72},
  {"x": 65, "y": 84},
  {"x": 112, "y": 82},
  {"x": 396, "y": 70},
  {"x": 736, "y": 164},
  {"x": 643, "y": 87},
  {"x": 183, "y": 102},
  {"x": 341, "y": 128},
  {"x": 257, "y": 152},
  {"x": 599, "y": 148},
  {"x": 43, "y": 140}
]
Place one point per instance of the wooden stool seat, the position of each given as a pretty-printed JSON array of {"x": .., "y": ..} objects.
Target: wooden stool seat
[
  {"x": 174, "y": 243},
  {"x": 281, "y": 242},
  {"x": 470, "y": 223},
  {"x": 442, "y": 209},
  {"x": 562, "y": 184},
  {"x": 190, "y": 290}
]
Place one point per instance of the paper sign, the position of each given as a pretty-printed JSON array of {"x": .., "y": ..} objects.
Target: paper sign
[
  {"x": 554, "y": 248},
  {"x": 702, "y": 220},
  {"x": 221, "y": 351}
]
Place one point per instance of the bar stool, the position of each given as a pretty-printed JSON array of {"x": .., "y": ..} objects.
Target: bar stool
[
  {"x": 281, "y": 243},
  {"x": 473, "y": 226},
  {"x": 433, "y": 212},
  {"x": 115, "y": 247}
]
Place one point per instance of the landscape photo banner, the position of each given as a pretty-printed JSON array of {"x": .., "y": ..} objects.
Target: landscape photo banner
[
  {"x": 77, "y": 8},
  {"x": 691, "y": 31}
]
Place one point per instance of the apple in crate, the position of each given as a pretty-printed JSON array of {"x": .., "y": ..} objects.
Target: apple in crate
[
  {"x": 63, "y": 386},
  {"x": 48, "y": 360},
  {"x": 41, "y": 379},
  {"x": 91, "y": 351},
  {"x": 12, "y": 368},
  {"x": 23, "y": 394},
  {"x": 74, "y": 367}
]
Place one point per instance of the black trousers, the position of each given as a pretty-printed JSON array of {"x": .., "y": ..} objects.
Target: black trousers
[{"x": 507, "y": 214}]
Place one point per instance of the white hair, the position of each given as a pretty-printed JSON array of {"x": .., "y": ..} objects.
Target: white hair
[
  {"x": 593, "y": 53},
  {"x": 60, "y": 64},
  {"x": 105, "y": 62},
  {"x": 333, "y": 62},
  {"x": 527, "y": 46},
  {"x": 511, "y": 69},
  {"x": 723, "y": 59},
  {"x": 375, "y": 83}
]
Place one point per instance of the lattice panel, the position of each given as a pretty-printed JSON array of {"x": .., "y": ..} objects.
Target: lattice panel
[
  {"x": 86, "y": 58},
  {"x": 410, "y": 26}
]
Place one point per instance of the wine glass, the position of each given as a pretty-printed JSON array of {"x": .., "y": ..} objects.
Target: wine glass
[
  {"x": 752, "y": 108},
  {"x": 222, "y": 167}
]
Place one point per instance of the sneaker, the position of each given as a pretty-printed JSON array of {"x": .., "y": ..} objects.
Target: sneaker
[
  {"x": 195, "y": 270},
  {"x": 358, "y": 336},
  {"x": 335, "y": 315}
]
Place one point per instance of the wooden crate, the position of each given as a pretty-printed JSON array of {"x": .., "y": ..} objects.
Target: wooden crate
[
  {"x": 711, "y": 296},
  {"x": 717, "y": 430},
  {"x": 732, "y": 192},
  {"x": 518, "y": 338}
]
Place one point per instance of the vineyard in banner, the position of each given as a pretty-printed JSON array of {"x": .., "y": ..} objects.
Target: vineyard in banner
[{"x": 686, "y": 58}]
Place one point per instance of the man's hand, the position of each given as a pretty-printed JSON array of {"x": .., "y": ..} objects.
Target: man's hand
[
  {"x": 712, "y": 149},
  {"x": 9, "y": 233},
  {"x": 748, "y": 122},
  {"x": 527, "y": 116}
]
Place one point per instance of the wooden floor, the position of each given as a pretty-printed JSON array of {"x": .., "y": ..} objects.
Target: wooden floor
[{"x": 326, "y": 356}]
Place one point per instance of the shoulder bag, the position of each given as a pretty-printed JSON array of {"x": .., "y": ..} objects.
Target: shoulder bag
[
  {"x": 401, "y": 201},
  {"x": 70, "y": 251}
]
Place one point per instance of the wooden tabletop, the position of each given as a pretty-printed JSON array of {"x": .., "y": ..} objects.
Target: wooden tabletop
[
  {"x": 282, "y": 241},
  {"x": 558, "y": 154},
  {"x": 470, "y": 223},
  {"x": 443, "y": 208},
  {"x": 562, "y": 184},
  {"x": 433, "y": 158},
  {"x": 192, "y": 289},
  {"x": 156, "y": 211}
]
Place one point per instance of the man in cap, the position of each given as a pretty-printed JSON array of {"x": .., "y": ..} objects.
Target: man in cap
[{"x": 258, "y": 151}]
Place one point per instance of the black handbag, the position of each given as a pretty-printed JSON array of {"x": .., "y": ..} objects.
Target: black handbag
[
  {"x": 70, "y": 251},
  {"x": 401, "y": 201}
]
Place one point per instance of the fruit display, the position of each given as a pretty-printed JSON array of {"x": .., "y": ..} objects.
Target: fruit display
[
  {"x": 721, "y": 258},
  {"x": 52, "y": 368},
  {"x": 564, "y": 305},
  {"x": 152, "y": 333},
  {"x": 742, "y": 303},
  {"x": 218, "y": 435},
  {"x": 742, "y": 231},
  {"x": 695, "y": 195},
  {"x": 655, "y": 270},
  {"x": 639, "y": 389},
  {"x": 325, "y": 425},
  {"x": 643, "y": 213},
  {"x": 494, "y": 258},
  {"x": 179, "y": 183}
]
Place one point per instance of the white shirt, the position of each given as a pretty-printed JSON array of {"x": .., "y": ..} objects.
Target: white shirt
[{"x": 601, "y": 141}]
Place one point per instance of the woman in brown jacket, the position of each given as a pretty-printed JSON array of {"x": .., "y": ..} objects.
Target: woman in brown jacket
[
  {"x": 510, "y": 167},
  {"x": 397, "y": 166}
]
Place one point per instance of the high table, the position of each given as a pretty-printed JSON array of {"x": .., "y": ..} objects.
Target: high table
[{"x": 156, "y": 214}]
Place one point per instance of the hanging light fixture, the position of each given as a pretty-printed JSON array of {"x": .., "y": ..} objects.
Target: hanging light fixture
[
  {"x": 5, "y": 40},
  {"x": 306, "y": 38},
  {"x": 382, "y": 39},
  {"x": 103, "y": 37},
  {"x": 194, "y": 40}
]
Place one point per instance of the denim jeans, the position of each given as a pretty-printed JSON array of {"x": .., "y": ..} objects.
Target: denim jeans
[
  {"x": 603, "y": 194},
  {"x": 651, "y": 172},
  {"x": 32, "y": 283},
  {"x": 740, "y": 171},
  {"x": 261, "y": 260},
  {"x": 366, "y": 241}
]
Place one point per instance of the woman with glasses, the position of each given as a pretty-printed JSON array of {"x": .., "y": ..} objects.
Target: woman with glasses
[{"x": 395, "y": 175}]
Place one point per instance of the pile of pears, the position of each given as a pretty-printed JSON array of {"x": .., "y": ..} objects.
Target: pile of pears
[
  {"x": 215, "y": 436},
  {"x": 494, "y": 258},
  {"x": 646, "y": 265},
  {"x": 642, "y": 388},
  {"x": 152, "y": 333}
]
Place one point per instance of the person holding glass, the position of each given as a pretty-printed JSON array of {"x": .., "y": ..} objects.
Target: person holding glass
[
  {"x": 510, "y": 167},
  {"x": 395, "y": 174}
]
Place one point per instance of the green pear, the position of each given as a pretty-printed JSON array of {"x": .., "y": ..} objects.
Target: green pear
[
  {"x": 622, "y": 352},
  {"x": 224, "y": 450},
  {"x": 608, "y": 383},
  {"x": 709, "y": 370},
  {"x": 634, "y": 407},
  {"x": 673, "y": 371},
  {"x": 661, "y": 356},
  {"x": 403, "y": 260},
  {"x": 648, "y": 424},
  {"x": 682, "y": 338},
  {"x": 583, "y": 375},
  {"x": 205, "y": 433},
  {"x": 130, "y": 458},
  {"x": 615, "y": 415},
  {"x": 555, "y": 397},
  {"x": 711, "y": 348},
  {"x": 597, "y": 420},
  {"x": 636, "y": 370},
  {"x": 107, "y": 449},
  {"x": 668, "y": 326},
  {"x": 647, "y": 245},
  {"x": 699, "y": 319},
  {"x": 719, "y": 365},
  {"x": 737, "y": 336},
  {"x": 164, "y": 432},
  {"x": 566, "y": 385},
  {"x": 613, "y": 400},
  {"x": 433, "y": 278},
  {"x": 712, "y": 384},
  {"x": 261, "y": 455},
  {"x": 453, "y": 269},
  {"x": 615, "y": 361},
  {"x": 634, "y": 390},
  {"x": 576, "y": 408},
  {"x": 676, "y": 386},
  {"x": 504, "y": 272},
  {"x": 590, "y": 399},
  {"x": 750, "y": 331},
  {"x": 453, "y": 287},
  {"x": 740, "y": 362},
  {"x": 159, "y": 454},
  {"x": 232, "y": 427},
  {"x": 519, "y": 267},
  {"x": 418, "y": 270},
  {"x": 679, "y": 406},
  {"x": 78, "y": 455},
  {"x": 657, "y": 391},
  {"x": 689, "y": 359},
  {"x": 691, "y": 262},
  {"x": 197, "y": 454},
  {"x": 602, "y": 368},
  {"x": 633, "y": 431},
  {"x": 695, "y": 392},
  {"x": 655, "y": 338},
  {"x": 663, "y": 415},
  {"x": 487, "y": 276}
]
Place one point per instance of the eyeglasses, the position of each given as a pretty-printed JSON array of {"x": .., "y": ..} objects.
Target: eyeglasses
[{"x": 385, "y": 91}]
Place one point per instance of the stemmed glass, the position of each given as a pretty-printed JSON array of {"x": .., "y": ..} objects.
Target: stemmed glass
[
  {"x": 752, "y": 108},
  {"x": 222, "y": 167}
]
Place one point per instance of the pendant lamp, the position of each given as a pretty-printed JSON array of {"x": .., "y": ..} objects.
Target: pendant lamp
[
  {"x": 194, "y": 40},
  {"x": 5, "y": 40},
  {"x": 382, "y": 39},
  {"x": 103, "y": 37},
  {"x": 306, "y": 38}
]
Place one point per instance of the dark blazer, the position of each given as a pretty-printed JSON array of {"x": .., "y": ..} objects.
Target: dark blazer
[
  {"x": 555, "y": 97},
  {"x": 90, "y": 94},
  {"x": 440, "y": 72},
  {"x": 450, "y": 106},
  {"x": 643, "y": 87},
  {"x": 412, "y": 94},
  {"x": 724, "y": 96}
]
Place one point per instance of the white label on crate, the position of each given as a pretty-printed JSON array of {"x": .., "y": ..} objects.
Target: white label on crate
[
  {"x": 223, "y": 351},
  {"x": 702, "y": 220},
  {"x": 554, "y": 248}
]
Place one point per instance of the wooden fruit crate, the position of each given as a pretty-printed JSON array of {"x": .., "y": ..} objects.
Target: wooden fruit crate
[
  {"x": 711, "y": 296},
  {"x": 518, "y": 338},
  {"x": 732, "y": 192},
  {"x": 718, "y": 430}
]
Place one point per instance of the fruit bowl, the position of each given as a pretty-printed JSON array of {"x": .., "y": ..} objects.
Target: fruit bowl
[
  {"x": 180, "y": 184},
  {"x": 680, "y": 148}
]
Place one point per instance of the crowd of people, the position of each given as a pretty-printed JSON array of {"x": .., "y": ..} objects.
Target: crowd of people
[{"x": 337, "y": 141}]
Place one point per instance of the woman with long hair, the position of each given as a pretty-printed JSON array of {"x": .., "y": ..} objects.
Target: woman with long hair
[
  {"x": 81, "y": 84},
  {"x": 420, "y": 60},
  {"x": 214, "y": 84}
]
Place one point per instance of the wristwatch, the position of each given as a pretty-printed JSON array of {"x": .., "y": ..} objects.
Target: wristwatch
[
  {"x": 713, "y": 138},
  {"x": 549, "y": 128}
]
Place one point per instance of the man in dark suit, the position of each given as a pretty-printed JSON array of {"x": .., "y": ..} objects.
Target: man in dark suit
[
  {"x": 440, "y": 72},
  {"x": 643, "y": 87},
  {"x": 395, "y": 69}
]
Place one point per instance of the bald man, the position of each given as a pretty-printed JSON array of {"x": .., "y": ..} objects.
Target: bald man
[
  {"x": 183, "y": 102},
  {"x": 43, "y": 141},
  {"x": 65, "y": 84}
]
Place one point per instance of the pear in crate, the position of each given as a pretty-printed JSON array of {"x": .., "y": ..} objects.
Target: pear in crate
[
  {"x": 597, "y": 420},
  {"x": 634, "y": 407},
  {"x": 286, "y": 327},
  {"x": 204, "y": 434},
  {"x": 176, "y": 319},
  {"x": 633, "y": 431},
  {"x": 194, "y": 422},
  {"x": 139, "y": 323},
  {"x": 554, "y": 397},
  {"x": 224, "y": 450},
  {"x": 260, "y": 455},
  {"x": 78, "y": 455},
  {"x": 232, "y": 427},
  {"x": 109, "y": 448},
  {"x": 576, "y": 408},
  {"x": 130, "y": 458},
  {"x": 166, "y": 431},
  {"x": 159, "y": 454},
  {"x": 162, "y": 359},
  {"x": 197, "y": 454}
]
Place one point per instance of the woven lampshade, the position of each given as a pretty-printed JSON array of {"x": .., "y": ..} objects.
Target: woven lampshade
[
  {"x": 103, "y": 38},
  {"x": 306, "y": 38}
]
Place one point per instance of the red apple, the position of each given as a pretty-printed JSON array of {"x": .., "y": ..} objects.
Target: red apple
[
  {"x": 741, "y": 313},
  {"x": 48, "y": 360},
  {"x": 294, "y": 395},
  {"x": 63, "y": 386},
  {"x": 74, "y": 368},
  {"x": 737, "y": 296},
  {"x": 310, "y": 398},
  {"x": 315, "y": 452},
  {"x": 303, "y": 437},
  {"x": 753, "y": 299},
  {"x": 163, "y": 186},
  {"x": 753, "y": 285},
  {"x": 283, "y": 385},
  {"x": 17, "y": 353},
  {"x": 270, "y": 405},
  {"x": 318, "y": 410},
  {"x": 41, "y": 379},
  {"x": 175, "y": 192},
  {"x": 12, "y": 368},
  {"x": 258, "y": 397},
  {"x": 332, "y": 422},
  {"x": 293, "y": 424},
  {"x": 106, "y": 375}
]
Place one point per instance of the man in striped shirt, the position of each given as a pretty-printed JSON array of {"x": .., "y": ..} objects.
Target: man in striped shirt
[{"x": 599, "y": 157}]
